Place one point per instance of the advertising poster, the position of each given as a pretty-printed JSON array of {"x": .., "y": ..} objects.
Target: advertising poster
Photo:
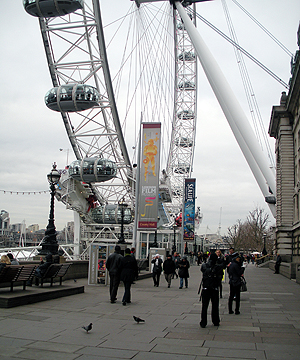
[
  {"x": 149, "y": 175},
  {"x": 189, "y": 209}
]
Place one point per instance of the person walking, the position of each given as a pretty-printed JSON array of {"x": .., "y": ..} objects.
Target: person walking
[
  {"x": 176, "y": 259},
  {"x": 210, "y": 291},
  {"x": 169, "y": 269},
  {"x": 277, "y": 264},
  {"x": 183, "y": 271},
  {"x": 199, "y": 258},
  {"x": 157, "y": 269},
  {"x": 113, "y": 265},
  {"x": 235, "y": 272},
  {"x": 129, "y": 272},
  {"x": 221, "y": 262}
]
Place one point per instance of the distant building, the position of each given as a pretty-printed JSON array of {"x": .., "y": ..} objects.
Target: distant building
[
  {"x": 4, "y": 223},
  {"x": 285, "y": 128},
  {"x": 16, "y": 227},
  {"x": 33, "y": 228}
]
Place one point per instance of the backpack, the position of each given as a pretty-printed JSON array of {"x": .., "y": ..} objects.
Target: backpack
[{"x": 210, "y": 275}]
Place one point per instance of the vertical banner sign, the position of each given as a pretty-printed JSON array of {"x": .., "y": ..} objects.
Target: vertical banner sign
[
  {"x": 189, "y": 209},
  {"x": 93, "y": 265},
  {"x": 149, "y": 175}
]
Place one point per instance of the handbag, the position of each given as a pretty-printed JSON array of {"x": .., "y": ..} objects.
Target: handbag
[{"x": 243, "y": 284}]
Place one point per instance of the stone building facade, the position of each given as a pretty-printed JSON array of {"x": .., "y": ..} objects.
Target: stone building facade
[{"x": 285, "y": 128}]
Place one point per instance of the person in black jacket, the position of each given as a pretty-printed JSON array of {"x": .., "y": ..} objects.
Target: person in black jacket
[
  {"x": 129, "y": 272},
  {"x": 229, "y": 257},
  {"x": 277, "y": 264},
  {"x": 222, "y": 262},
  {"x": 113, "y": 265},
  {"x": 210, "y": 291},
  {"x": 183, "y": 271},
  {"x": 41, "y": 269},
  {"x": 235, "y": 272},
  {"x": 169, "y": 269}
]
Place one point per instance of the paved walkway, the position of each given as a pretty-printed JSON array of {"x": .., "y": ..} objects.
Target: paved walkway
[{"x": 267, "y": 328}]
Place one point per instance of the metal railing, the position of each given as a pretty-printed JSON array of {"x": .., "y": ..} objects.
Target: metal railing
[{"x": 264, "y": 259}]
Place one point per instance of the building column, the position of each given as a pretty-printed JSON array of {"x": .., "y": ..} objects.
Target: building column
[{"x": 281, "y": 129}]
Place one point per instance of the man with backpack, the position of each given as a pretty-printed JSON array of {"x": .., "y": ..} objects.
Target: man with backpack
[{"x": 210, "y": 290}]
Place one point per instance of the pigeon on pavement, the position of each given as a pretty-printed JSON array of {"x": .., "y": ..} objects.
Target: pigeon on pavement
[
  {"x": 138, "y": 320},
  {"x": 88, "y": 327}
]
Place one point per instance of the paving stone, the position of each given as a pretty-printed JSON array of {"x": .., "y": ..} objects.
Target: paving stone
[
  {"x": 228, "y": 345},
  {"x": 180, "y": 349},
  {"x": 36, "y": 354},
  {"x": 163, "y": 356},
  {"x": 105, "y": 352},
  {"x": 47, "y": 345},
  {"x": 177, "y": 342},
  {"x": 237, "y": 353},
  {"x": 241, "y": 328}
]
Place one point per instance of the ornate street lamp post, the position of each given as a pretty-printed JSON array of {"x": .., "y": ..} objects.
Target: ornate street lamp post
[
  {"x": 122, "y": 206},
  {"x": 195, "y": 245},
  {"x": 264, "y": 252},
  {"x": 174, "y": 239},
  {"x": 155, "y": 243},
  {"x": 49, "y": 242}
]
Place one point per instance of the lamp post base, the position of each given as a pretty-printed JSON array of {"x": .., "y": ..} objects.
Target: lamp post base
[{"x": 49, "y": 249}]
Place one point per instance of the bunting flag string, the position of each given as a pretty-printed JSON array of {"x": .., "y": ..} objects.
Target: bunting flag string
[{"x": 24, "y": 192}]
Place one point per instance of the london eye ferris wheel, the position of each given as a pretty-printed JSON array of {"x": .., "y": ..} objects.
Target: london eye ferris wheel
[
  {"x": 99, "y": 109},
  {"x": 102, "y": 110}
]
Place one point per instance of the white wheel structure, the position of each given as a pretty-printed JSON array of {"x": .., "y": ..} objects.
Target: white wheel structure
[
  {"x": 86, "y": 95},
  {"x": 73, "y": 37}
]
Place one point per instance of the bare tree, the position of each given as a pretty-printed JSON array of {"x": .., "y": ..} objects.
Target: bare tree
[
  {"x": 257, "y": 221},
  {"x": 235, "y": 235},
  {"x": 252, "y": 234}
]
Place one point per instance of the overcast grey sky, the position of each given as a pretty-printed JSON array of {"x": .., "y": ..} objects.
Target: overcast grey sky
[{"x": 31, "y": 135}]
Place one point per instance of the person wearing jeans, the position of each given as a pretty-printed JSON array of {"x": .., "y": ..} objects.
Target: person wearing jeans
[{"x": 183, "y": 272}]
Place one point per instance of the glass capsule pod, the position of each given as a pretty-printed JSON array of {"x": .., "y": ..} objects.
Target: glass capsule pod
[
  {"x": 51, "y": 8},
  {"x": 187, "y": 56},
  {"x": 92, "y": 170},
  {"x": 72, "y": 97},
  {"x": 182, "y": 169},
  {"x": 165, "y": 193},
  {"x": 187, "y": 85},
  {"x": 183, "y": 142},
  {"x": 186, "y": 115},
  {"x": 112, "y": 214}
]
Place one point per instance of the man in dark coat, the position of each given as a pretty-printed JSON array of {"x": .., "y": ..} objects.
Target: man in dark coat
[
  {"x": 235, "y": 272},
  {"x": 229, "y": 257},
  {"x": 277, "y": 264},
  {"x": 169, "y": 269},
  {"x": 183, "y": 271},
  {"x": 129, "y": 272},
  {"x": 113, "y": 265},
  {"x": 210, "y": 290}
]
